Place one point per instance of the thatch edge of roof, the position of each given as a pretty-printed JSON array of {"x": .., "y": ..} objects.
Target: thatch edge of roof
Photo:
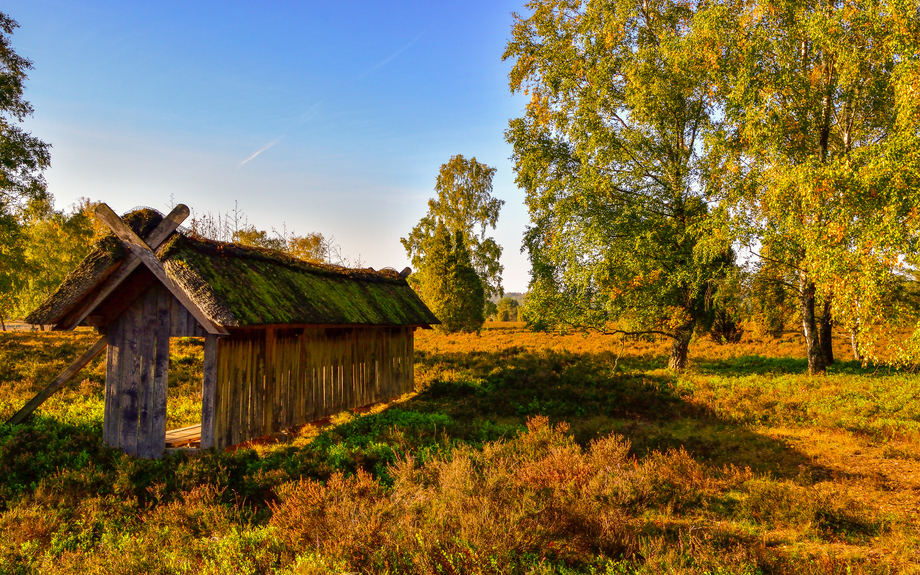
[{"x": 230, "y": 249}]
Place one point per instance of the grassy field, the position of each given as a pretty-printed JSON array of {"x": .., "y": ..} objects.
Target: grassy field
[{"x": 519, "y": 453}]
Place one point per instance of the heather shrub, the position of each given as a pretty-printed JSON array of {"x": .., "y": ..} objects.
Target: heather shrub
[{"x": 536, "y": 496}]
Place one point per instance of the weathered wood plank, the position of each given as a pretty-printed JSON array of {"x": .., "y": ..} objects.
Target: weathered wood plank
[
  {"x": 147, "y": 257},
  {"x": 291, "y": 389},
  {"x": 163, "y": 230},
  {"x": 329, "y": 365},
  {"x": 128, "y": 400},
  {"x": 219, "y": 373},
  {"x": 303, "y": 369},
  {"x": 112, "y": 385},
  {"x": 410, "y": 359},
  {"x": 236, "y": 399},
  {"x": 175, "y": 315},
  {"x": 283, "y": 384},
  {"x": 280, "y": 377},
  {"x": 349, "y": 369},
  {"x": 250, "y": 388},
  {"x": 146, "y": 354},
  {"x": 270, "y": 375},
  {"x": 161, "y": 373},
  {"x": 258, "y": 396},
  {"x": 191, "y": 326},
  {"x": 182, "y": 436},
  {"x": 386, "y": 361},
  {"x": 209, "y": 393},
  {"x": 319, "y": 392},
  {"x": 59, "y": 381},
  {"x": 336, "y": 352},
  {"x": 243, "y": 363},
  {"x": 309, "y": 369},
  {"x": 366, "y": 353},
  {"x": 225, "y": 352},
  {"x": 285, "y": 387},
  {"x": 293, "y": 367}
]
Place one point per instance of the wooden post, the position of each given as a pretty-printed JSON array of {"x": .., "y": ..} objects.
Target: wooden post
[
  {"x": 110, "y": 416},
  {"x": 146, "y": 392},
  {"x": 130, "y": 372},
  {"x": 208, "y": 392},
  {"x": 161, "y": 374}
]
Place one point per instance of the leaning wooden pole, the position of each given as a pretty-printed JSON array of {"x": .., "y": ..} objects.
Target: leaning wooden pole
[{"x": 60, "y": 380}]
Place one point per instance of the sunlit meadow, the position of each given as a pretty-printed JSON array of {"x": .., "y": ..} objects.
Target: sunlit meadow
[{"x": 519, "y": 452}]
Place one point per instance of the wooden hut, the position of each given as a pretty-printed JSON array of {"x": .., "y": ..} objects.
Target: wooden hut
[{"x": 286, "y": 342}]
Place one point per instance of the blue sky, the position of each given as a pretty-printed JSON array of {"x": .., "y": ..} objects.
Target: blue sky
[{"x": 331, "y": 117}]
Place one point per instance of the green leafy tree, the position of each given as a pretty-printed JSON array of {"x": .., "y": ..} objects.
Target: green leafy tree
[
  {"x": 250, "y": 236},
  {"x": 53, "y": 243},
  {"x": 451, "y": 287},
  {"x": 621, "y": 239},
  {"x": 23, "y": 157},
  {"x": 22, "y": 160},
  {"x": 507, "y": 309},
  {"x": 12, "y": 266},
  {"x": 310, "y": 248},
  {"x": 469, "y": 294},
  {"x": 816, "y": 156},
  {"x": 464, "y": 203}
]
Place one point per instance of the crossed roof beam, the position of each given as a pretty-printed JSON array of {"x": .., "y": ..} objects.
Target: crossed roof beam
[{"x": 140, "y": 253}]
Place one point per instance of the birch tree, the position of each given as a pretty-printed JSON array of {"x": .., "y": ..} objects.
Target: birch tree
[
  {"x": 464, "y": 203},
  {"x": 816, "y": 156},
  {"x": 608, "y": 152}
]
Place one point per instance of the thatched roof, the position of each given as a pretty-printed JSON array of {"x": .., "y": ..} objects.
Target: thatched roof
[{"x": 240, "y": 286}]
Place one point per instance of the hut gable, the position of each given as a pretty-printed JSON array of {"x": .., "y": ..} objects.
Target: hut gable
[{"x": 103, "y": 259}]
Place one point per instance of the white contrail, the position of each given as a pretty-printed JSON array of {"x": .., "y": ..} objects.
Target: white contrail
[
  {"x": 388, "y": 59},
  {"x": 259, "y": 151},
  {"x": 396, "y": 53}
]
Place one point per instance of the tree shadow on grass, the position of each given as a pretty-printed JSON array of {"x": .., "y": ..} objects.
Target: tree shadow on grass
[
  {"x": 596, "y": 398},
  {"x": 763, "y": 365}
]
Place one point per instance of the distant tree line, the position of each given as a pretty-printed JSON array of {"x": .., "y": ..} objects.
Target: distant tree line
[{"x": 508, "y": 309}]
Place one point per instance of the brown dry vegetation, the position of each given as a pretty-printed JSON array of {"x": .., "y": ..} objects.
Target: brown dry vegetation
[{"x": 520, "y": 453}]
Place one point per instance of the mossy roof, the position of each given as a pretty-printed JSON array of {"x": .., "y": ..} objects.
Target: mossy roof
[{"x": 241, "y": 286}]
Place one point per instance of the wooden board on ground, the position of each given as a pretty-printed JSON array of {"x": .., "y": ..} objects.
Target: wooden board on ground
[{"x": 183, "y": 436}]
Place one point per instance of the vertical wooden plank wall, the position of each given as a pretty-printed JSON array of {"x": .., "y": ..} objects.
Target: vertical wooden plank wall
[{"x": 273, "y": 379}]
